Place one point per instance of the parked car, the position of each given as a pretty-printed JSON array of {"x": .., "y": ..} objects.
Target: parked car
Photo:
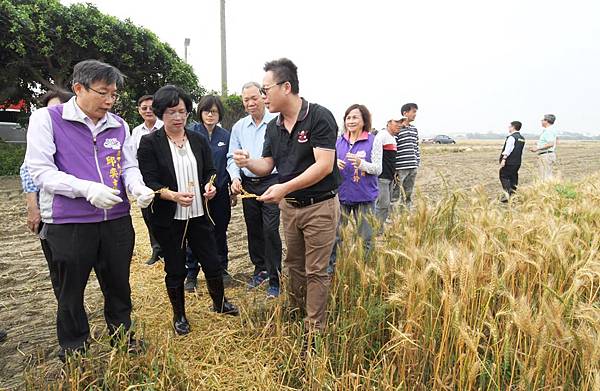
[{"x": 443, "y": 139}]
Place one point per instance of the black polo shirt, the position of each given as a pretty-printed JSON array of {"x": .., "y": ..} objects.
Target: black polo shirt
[{"x": 293, "y": 152}]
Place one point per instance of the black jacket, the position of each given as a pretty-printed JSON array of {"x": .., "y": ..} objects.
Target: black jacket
[{"x": 156, "y": 164}]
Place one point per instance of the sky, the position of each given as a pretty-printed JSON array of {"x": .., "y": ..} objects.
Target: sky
[{"x": 470, "y": 65}]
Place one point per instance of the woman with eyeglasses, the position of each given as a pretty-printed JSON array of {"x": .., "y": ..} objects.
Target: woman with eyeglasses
[
  {"x": 359, "y": 156},
  {"x": 210, "y": 112},
  {"x": 177, "y": 164}
]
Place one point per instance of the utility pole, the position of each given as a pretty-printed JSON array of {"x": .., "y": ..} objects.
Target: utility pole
[
  {"x": 186, "y": 43},
  {"x": 223, "y": 52}
]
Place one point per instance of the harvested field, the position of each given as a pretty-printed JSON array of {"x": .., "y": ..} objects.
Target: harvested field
[{"x": 259, "y": 349}]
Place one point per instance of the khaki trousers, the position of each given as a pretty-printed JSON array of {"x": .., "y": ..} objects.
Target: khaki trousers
[
  {"x": 546, "y": 166},
  {"x": 310, "y": 237}
]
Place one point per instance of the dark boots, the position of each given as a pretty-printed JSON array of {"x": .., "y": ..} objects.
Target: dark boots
[
  {"x": 217, "y": 294},
  {"x": 177, "y": 298},
  {"x": 154, "y": 257}
]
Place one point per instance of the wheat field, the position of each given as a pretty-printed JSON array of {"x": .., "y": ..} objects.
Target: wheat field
[{"x": 463, "y": 293}]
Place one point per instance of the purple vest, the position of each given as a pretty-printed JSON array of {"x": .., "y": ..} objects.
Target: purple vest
[
  {"x": 99, "y": 160},
  {"x": 356, "y": 186}
]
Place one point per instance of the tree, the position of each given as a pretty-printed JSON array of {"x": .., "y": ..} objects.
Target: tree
[
  {"x": 43, "y": 40},
  {"x": 234, "y": 110}
]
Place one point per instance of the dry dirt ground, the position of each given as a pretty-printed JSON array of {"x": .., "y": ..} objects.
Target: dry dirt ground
[{"x": 28, "y": 307}]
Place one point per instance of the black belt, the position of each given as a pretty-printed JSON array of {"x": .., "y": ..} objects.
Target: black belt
[
  {"x": 303, "y": 202},
  {"x": 258, "y": 179},
  {"x": 544, "y": 152}
]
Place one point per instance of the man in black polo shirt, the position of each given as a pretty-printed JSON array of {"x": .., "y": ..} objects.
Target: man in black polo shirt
[
  {"x": 300, "y": 143},
  {"x": 510, "y": 159}
]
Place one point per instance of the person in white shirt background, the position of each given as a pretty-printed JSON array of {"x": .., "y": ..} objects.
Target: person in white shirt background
[{"x": 150, "y": 124}]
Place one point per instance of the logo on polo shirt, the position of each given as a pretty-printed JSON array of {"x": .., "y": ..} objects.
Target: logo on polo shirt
[
  {"x": 112, "y": 143},
  {"x": 303, "y": 136},
  {"x": 361, "y": 154},
  {"x": 220, "y": 144}
]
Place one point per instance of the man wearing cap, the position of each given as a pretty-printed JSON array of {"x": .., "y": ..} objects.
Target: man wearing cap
[
  {"x": 83, "y": 159},
  {"x": 546, "y": 148},
  {"x": 388, "y": 173}
]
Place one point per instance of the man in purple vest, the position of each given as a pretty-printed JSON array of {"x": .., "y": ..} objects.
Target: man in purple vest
[{"x": 83, "y": 159}]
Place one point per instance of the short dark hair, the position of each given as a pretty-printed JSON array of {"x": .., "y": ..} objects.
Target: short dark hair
[
  {"x": 284, "y": 70},
  {"x": 89, "y": 71},
  {"x": 408, "y": 107},
  {"x": 61, "y": 94},
  {"x": 144, "y": 98},
  {"x": 206, "y": 103},
  {"x": 364, "y": 112},
  {"x": 169, "y": 96},
  {"x": 551, "y": 118},
  {"x": 516, "y": 124}
]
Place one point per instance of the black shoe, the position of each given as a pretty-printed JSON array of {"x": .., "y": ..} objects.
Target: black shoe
[
  {"x": 217, "y": 294},
  {"x": 134, "y": 346},
  {"x": 227, "y": 279},
  {"x": 3, "y": 335},
  {"x": 191, "y": 283},
  {"x": 181, "y": 325},
  {"x": 64, "y": 353},
  {"x": 153, "y": 258},
  {"x": 227, "y": 308}
]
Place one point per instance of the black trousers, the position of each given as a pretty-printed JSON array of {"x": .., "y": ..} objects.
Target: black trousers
[
  {"x": 51, "y": 265},
  {"x": 220, "y": 211},
  {"x": 509, "y": 178},
  {"x": 146, "y": 212},
  {"x": 76, "y": 249},
  {"x": 200, "y": 237},
  {"x": 262, "y": 225}
]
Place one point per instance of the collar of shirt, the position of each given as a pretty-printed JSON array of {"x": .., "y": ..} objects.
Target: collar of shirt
[
  {"x": 72, "y": 112},
  {"x": 249, "y": 121},
  {"x": 217, "y": 132},
  {"x": 364, "y": 135},
  {"x": 157, "y": 125},
  {"x": 304, "y": 109}
]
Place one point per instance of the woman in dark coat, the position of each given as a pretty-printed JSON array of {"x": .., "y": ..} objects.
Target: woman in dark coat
[{"x": 177, "y": 164}]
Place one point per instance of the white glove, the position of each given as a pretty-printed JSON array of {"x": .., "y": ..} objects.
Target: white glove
[
  {"x": 143, "y": 196},
  {"x": 102, "y": 196}
]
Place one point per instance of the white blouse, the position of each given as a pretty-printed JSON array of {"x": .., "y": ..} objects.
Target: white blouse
[{"x": 186, "y": 171}]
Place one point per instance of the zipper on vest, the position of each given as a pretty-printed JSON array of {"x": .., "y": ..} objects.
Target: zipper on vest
[{"x": 99, "y": 173}]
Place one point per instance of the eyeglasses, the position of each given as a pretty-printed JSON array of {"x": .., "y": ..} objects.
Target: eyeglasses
[
  {"x": 213, "y": 112},
  {"x": 263, "y": 90},
  {"x": 175, "y": 114},
  {"x": 106, "y": 95}
]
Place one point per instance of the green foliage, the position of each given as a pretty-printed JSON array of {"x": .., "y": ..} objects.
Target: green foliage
[
  {"x": 11, "y": 157},
  {"x": 566, "y": 191},
  {"x": 234, "y": 110},
  {"x": 47, "y": 39}
]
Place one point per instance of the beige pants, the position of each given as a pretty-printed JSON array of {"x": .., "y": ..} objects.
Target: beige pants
[
  {"x": 310, "y": 236},
  {"x": 546, "y": 163}
]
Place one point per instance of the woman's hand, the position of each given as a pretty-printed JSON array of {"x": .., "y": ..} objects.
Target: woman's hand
[
  {"x": 355, "y": 160},
  {"x": 209, "y": 191},
  {"x": 184, "y": 199},
  {"x": 341, "y": 164}
]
